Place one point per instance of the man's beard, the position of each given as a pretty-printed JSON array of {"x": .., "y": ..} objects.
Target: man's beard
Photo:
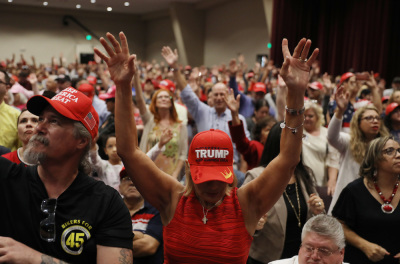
[{"x": 32, "y": 157}]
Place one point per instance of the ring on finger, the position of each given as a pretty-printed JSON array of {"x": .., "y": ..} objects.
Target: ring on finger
[
  {"x": 319, "y": 203},
  {"x": 302, "y": 60}
]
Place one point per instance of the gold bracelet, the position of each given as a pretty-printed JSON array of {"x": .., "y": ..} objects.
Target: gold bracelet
[
  {"x": 293, "y": 129},
  {"x": 294, "y": 111}
]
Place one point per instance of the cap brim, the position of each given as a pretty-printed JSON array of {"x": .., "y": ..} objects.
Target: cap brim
[
  {"x": 105, "y": 96},
  {"x": 202, "y": 174},
  {"x": 38, "y": 103}
]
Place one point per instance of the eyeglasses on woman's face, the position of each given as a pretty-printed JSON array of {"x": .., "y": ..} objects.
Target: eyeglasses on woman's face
[
  {"x": 372, "y": 118},
  {"x": 391, "y": 151}
]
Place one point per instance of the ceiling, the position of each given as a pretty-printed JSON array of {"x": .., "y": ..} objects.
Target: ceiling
[{"x": 135, "y": 6}]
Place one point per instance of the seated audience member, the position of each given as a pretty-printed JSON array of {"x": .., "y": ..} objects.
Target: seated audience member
[
  {"x": 395, "y": 97},
  {"x": 208, "y": 221},
  {"x": 368, "y": 207},
  {"x": 392, "y": 120},
  {"x": 281, "y": 235},
  {"x": 54, "y": 210},
  {"x": 250, "y": 149},
  {"x": 107, "y": 170},
  {"x": 146, "y": 224},
  {"x": 322, "y": 241},
  {"x": 27, "y": 123},
  {"x": 261, "y": 110},
  {"x": 108, "y": 126},
  {"x": 63, "y": 81},
  {"x": 395, "y": 86},
  {"x": 315, "y": 92},
  {"x": 365, "y": 126},
  {"x": 8, "y": 116}
]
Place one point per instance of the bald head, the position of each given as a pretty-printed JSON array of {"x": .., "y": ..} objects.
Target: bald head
[{"x": 218, "y": 93}]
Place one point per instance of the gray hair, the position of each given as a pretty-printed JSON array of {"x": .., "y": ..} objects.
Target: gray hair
[
  {"x": 80, "y": 131},
  {"x": 326, "y": 226}
]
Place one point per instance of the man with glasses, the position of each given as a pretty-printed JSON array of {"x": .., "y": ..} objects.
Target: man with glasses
[
  {"x": 146, "y": 222},
  {"x": 54, "y": 210},
  {"x": 322, "y": 242},
  {"x": 8, "y": 116}
]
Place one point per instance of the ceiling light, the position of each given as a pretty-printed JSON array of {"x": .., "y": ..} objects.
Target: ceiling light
[
  {"x": 92, "y": 1},
  {"x": 78, "y": 6},
  {"x": 45, "y": 3},
  {"x": 10, "y": 1},
  {"x": 109, "y": 8},
  {"x": 126, "y": 3}
]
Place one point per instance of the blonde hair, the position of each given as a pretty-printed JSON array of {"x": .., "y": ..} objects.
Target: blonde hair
[
  {"x": 317, "y": 110},
  {"x": 358, "y": 141},
  {"x": 189, "y": 184}
]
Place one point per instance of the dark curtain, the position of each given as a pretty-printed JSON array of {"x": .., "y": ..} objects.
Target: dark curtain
[{"x": 359, "y": 34}]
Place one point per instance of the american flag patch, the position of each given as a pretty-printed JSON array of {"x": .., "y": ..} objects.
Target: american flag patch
[{"x": 90, "y": 121}]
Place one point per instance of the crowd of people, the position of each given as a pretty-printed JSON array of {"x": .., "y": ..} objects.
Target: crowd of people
[{"x": 122, "y": 160}]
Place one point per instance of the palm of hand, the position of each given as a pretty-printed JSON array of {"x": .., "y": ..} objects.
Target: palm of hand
[
  {"x": 118, "y": 67},
  {"x": 232, "y": 103},
  {"x": 298, "y": 73}
]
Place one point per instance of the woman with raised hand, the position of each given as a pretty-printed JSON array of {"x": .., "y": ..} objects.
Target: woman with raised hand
[
  {"x": 162, "y": 115},
  {"x": 209, "y": 220},
  {"x": 365, "y": 126}
]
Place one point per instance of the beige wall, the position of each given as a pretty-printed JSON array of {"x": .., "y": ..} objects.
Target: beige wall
[
  {"x": 158, "y": 33},
  {"x": 229, "y": 27},
  {"x": 31, "y": 31},
  {"x": 235, "y": 27}
]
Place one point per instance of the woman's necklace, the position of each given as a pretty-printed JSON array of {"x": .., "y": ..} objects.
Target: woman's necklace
[
  {"x": 298, "y": 203},
  {"x": 387, "y": 207},
  {"x": 205, "y": 212}
]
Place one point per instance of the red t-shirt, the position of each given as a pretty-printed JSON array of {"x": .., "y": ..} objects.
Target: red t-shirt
[{"x": 223, "y": 239}]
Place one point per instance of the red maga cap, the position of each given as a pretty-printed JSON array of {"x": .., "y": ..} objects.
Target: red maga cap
[
  {"x": 87, "y": 89},
  {"x": 167, "y": 85},
  {"x": 70, "y": 103},
  {"x": 345, "y": 76},
  {"x": 315, "y": 86},
  {"x": 259, "y": 87},
  {"x": 109, "y": 94},
  {"x": 211, "y": 157},
  {"x": 92, "y": 80},
  {"x": 390, "y": 108}
]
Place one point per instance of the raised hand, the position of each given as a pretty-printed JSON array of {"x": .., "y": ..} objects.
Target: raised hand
[
  {"x": 121, "y": 64},
  {"x": 171, "y": 57},
  {"x": 232, "y": 68},
  {"x": 342, "y": 99},
  {"x": 295, "y": 70},
  {"x": 232, "y": 103}
]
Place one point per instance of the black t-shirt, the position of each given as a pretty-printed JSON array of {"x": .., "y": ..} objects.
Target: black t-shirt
[
  {"x": 362, "y": 213},
  {"x": 88, "y": 212}
]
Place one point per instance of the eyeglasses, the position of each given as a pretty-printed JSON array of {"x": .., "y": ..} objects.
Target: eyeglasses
[
  {"x": 48, "y": 225},
  {"x": 321, "y": 252},
  {"x": 372, "y": 118},
  {"x": 1, "y": 82},
  {"x": 391, "y": 151}
]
